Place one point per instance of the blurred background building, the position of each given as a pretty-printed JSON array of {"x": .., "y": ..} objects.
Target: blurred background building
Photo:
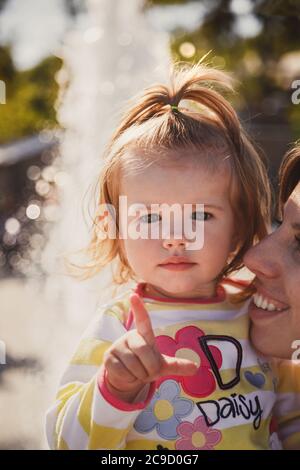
[{"x": 68, "y": 67}]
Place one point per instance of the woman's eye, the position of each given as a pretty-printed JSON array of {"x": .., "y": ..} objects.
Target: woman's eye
[
  {"x": 277, "y": 222},
  {"x": 150, "y": 218},
  {"x": 297, "y": 240},
  {"x": 197, "y": 215}
]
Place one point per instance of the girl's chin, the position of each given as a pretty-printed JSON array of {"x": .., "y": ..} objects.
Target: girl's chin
[{"x": 172, "y": 289}]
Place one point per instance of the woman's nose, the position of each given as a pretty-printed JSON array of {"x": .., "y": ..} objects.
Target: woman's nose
[{"x": 263, "y": 259}]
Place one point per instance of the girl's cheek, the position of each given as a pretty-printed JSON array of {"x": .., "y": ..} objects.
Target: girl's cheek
[
  {"x": 217, "y": 238},
  {"x": 140, "y": 247}
]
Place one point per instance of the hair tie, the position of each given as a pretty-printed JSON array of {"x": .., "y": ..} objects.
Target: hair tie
[{"x": 174, "y": 107}]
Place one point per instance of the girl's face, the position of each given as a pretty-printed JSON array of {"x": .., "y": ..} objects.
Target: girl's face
[
  {"x": 188, "y": 184},
  {"x": 275, "y": 310}
]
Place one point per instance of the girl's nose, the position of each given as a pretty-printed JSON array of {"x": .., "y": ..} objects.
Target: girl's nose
[
  {"x": 263, "y": 259},
  {"x": 174, "y": 243}
]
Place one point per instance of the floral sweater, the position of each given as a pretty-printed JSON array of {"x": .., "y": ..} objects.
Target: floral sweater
[{"x": 236, "y": 400}]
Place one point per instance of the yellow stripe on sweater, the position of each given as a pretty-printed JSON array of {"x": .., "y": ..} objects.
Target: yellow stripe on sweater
[{"x": 90, "y": 352}]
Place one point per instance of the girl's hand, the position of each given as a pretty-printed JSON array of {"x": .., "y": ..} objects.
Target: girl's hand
[{"x": 134, "y": 360}]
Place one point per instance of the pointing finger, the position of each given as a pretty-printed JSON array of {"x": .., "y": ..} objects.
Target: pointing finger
[{"x": 142, "y": 319}]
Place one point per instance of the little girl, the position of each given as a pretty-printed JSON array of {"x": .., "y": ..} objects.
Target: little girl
[{"x": 177, "y": 370}]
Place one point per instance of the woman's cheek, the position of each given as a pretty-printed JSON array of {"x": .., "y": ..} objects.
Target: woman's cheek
[{"x": 293, "y": 296}]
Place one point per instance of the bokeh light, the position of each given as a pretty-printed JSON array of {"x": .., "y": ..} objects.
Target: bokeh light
[
  {"x": 187, "y": 50},
  {"x": 33, "y": 211},
  {"x": 12, "y": 226}
]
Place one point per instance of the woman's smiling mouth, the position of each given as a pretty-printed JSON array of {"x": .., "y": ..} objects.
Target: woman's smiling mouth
[
  {"x": 265, "y": 307},
  {"x": 266, "y": 303}
]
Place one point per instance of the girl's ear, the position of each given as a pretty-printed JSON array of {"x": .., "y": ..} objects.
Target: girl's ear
[
  {"x": 121, "y": 247},
  {"x": 234, "y": 243},
  {"x": 122, "y": 251}
]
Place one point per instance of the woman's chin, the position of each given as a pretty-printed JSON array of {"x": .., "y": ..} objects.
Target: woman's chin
[
  {"x": 268, "y": 344},
  {"x": 265, "y": 330}
]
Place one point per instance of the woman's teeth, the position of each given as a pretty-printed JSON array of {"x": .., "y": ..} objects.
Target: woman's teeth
[{"x": 265, "y": 304}]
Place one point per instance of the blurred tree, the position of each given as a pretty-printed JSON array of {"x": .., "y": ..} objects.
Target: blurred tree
[
  {"x": 249, "y": 44},
  {"x": 259, "y": 42},
  {"x": 7, "y": 68},
  {"x": 279, "y": 7},
  {"x": 31, "y": 96}
]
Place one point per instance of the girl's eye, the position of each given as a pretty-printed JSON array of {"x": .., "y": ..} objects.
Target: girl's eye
[
  {"x": 150, "y": 218},
  {"x": 197, "y": 215}
]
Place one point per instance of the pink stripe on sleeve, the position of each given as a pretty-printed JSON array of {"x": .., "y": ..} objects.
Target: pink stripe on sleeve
[{"x": 116, "y": 402}]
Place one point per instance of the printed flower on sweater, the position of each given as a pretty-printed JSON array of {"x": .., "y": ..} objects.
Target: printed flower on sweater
[
  {"x": 165, "y": 411},
  {"x": 197, "y": 436},
  {"x": 186, "y": 344}
]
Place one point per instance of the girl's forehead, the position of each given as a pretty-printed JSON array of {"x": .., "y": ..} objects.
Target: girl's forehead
[
  {"x": 140, "y": 164},
  {"x": 184, "y": 182},
  {"x": 161, "y": 154}
]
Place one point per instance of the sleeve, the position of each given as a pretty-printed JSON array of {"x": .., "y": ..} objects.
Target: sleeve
[
  {"x": 85, "y": 415},
  {"x": 287, "y": 406}
]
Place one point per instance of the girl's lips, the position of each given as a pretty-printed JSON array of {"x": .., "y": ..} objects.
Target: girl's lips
[{"x": 177, "y": 266}]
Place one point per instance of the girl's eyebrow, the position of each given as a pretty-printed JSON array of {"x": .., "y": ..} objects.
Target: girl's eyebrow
[
  {"x": 149, "y": 206},
  {"x": 296, "y": 225},
  {"x": 213, "y": 206}
]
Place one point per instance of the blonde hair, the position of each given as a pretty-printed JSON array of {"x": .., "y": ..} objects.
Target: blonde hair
[{"x": 156, "y": 120}]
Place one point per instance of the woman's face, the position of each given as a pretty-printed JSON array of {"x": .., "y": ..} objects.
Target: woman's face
[{"x": 275, "y": 309}]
